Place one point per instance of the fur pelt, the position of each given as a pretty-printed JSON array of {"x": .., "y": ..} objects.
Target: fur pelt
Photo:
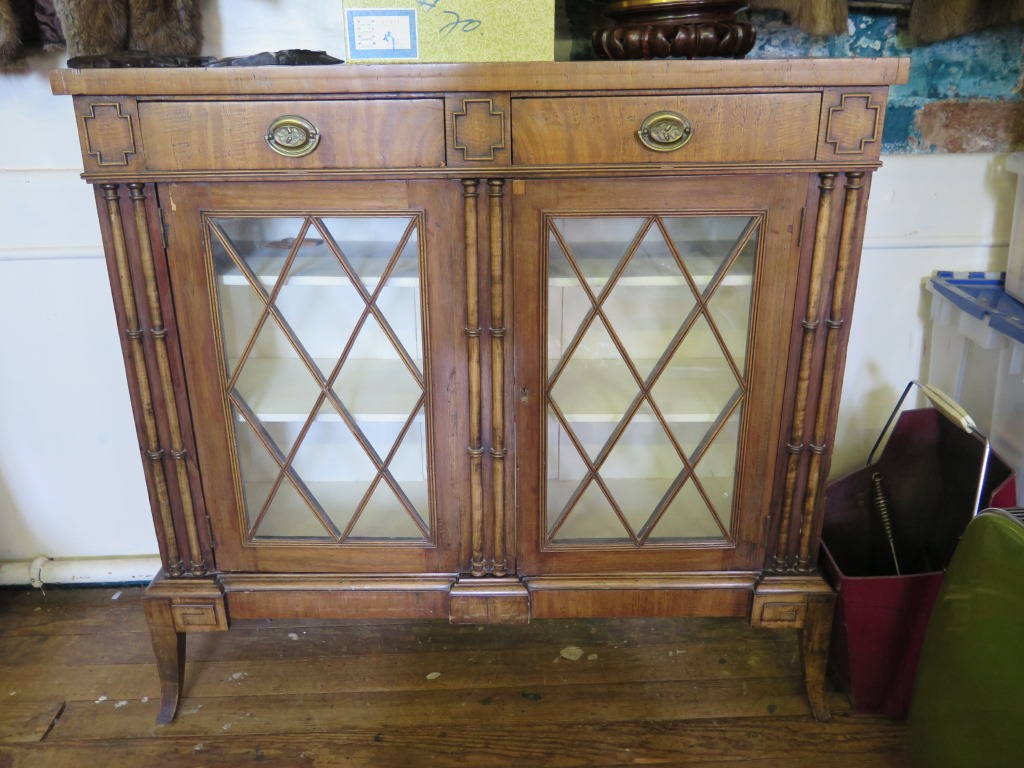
[
  {"x": 933, "y": 20},
  {"x": 27, "y": 24},
  {"x": 816, "y": 17},
  {"x": 10, "y": 33},
  {"x": 94, "y": 26},
  {"x": 165, "y": 27},
  {"x": 97, "y": 27},
  {"x": 930, "y": 20}
]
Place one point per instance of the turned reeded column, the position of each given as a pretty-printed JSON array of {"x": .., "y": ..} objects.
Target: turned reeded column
[
  {"x": 496, "y": 192},
  {"x": 137, "y": 194},
  {"x": 135, "y": 334},
  {"x": 476, "y": 451},
  {"x": 834, "y": 327},
  {"x": 795, "y": 447}
]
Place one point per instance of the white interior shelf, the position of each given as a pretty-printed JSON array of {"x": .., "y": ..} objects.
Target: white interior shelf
[
  {"x": 383, "y": 518},
  {"x": 317, "y": 265},
  {"x": 687, "y": 517},
  {"x": 373, "y": 389},
  {"x": 659, "y": 268},
  {"x": 597, "y": 389}
]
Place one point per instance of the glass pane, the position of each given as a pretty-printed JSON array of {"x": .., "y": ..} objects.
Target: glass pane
[
  {"x": 591, "y": 519},
  {"x": 289, "y": 516},
  {"x": 319, "y": 311},
  {"x": 649, "y": 303},
  {"x": 565, "y": 468},
  {"x": 262, "y": 245},
  {"x": 385, "y": 518},
  {"x": 568, "y": 305},
  {"x": 276, "y": 386},
  {"x": 334, "y": 466},
  {"x": 595, "y": 384},
  {"x": 705, "y": 243},
  {"x": 399, "y": 303},
  {"x": 374, "y": 384},
  {"x": 299, "y": 299},
  {"x": 596, "y": 246},
  {"x": 259, "y": 467},
  {"x": 731, "y": 303},
  {"x": 686, "y": 519},
  {"x": 409, "y": 462},
  {"x": 695, "y": 386},
  {"x": 641, "y": 468},
  {"x": 717, "y": 468},
  {"x": 368, "y": 244}
]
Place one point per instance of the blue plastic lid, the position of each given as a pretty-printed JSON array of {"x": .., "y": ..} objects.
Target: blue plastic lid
[
  {"x": 1010, "y": 325},
  {"x": 981, "y": 295},
  {"x": 976, "y": 293}
]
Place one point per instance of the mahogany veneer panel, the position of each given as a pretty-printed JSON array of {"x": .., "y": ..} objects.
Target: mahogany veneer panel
[
  {"x": 725, "y": 129},
  {"x": 229, "y": 135}
]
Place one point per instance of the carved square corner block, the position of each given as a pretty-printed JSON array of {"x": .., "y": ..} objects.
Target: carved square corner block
[
  {"x": 479, "y": 129},
  {"x": 851, "y": 125},
  {"x": 199, "y": 614},
  {"x": 108, "y": 133}
]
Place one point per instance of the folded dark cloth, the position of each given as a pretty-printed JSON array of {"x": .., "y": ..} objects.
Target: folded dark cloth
[{"x": 141, "y": 59}]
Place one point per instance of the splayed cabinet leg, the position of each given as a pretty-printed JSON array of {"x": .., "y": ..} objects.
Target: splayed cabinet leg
[
  {"x": 169, "y": 649},
  {"x": 173, "y": 608},
  {"x": 805, "y": 603},
  {"x": 814, "y": 644}
]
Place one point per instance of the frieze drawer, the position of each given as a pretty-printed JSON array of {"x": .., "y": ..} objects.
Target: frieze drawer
[
  {"x": 293, "y": 135},
  {"x": 665, "y": 129}
]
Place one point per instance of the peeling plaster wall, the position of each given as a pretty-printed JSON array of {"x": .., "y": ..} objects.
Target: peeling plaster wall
[{"x": 964, "y": 95}]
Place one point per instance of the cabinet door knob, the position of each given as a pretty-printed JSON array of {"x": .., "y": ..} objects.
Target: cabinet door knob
[
  {"x": 665, "y": 131},
  {"x": 292, "y": 136}
]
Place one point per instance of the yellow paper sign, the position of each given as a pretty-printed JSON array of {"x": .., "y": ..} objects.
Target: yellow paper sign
[{"x": 449, "y": 30}]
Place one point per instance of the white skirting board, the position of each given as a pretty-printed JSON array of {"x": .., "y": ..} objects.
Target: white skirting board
[{"x": 43, "y": 571}]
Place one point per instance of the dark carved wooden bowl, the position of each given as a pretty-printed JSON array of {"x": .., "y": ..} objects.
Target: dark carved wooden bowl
[{"x": 690, "y": 29}]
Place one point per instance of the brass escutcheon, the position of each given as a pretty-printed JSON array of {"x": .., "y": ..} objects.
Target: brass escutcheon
[
  {"x": 292, "y": 136},
  {"x": 665, "y": 131}
]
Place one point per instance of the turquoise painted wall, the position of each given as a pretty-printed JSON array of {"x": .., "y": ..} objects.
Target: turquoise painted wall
[{"x": 985, "y": 68}]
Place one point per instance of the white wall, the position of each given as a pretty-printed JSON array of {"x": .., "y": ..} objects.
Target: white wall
[
  {"x": 71, "y": 482},
  {"x": 926, "y": 212}
]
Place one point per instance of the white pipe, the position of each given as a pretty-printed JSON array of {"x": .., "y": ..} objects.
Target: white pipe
[{"x": 44, "y": 570}]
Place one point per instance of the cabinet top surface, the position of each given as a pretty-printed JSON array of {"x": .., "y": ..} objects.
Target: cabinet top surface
[{"x": 526, "y": 76}]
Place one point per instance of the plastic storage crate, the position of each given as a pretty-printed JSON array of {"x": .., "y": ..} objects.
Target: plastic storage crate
[
  {"x": 1015, "y": 261},
  {"x": 936, "y": 472},
  {"x": 977, "y": 357}
]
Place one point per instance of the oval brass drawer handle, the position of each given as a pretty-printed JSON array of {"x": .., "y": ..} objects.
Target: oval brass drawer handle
[
  {"x": 292, "y": 136},
  {"x": 665, "y": 131}
]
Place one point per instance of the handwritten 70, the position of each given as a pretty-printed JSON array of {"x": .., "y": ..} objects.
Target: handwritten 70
[{"x": 456, "y": 23}]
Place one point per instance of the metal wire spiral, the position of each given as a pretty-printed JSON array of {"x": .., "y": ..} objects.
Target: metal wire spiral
[{"x": 880, "y": 502}]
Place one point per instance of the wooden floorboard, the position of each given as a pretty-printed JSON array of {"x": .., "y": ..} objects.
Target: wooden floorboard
[{"x": 78, "y": 687}]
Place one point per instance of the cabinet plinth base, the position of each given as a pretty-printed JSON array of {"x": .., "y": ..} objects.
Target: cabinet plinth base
[
  {"x": 578, "y": 596},
  {"x": 805, "y": 603},
  {"x": 503, "y": 600}
]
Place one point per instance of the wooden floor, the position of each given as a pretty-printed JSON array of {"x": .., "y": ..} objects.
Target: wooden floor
[{"x": 78, "y": 689}]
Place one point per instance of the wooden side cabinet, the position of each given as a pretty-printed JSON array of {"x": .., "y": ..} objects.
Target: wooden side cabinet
[{"x": 486, "y": 342}]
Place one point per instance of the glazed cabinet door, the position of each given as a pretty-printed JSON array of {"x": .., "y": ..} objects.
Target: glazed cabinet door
[
  {"x": 325, "y": 371},
  {"x": 652, "y": 327}
]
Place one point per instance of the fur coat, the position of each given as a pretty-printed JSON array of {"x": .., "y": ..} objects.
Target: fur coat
[{"x": 160, "y": 27}]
